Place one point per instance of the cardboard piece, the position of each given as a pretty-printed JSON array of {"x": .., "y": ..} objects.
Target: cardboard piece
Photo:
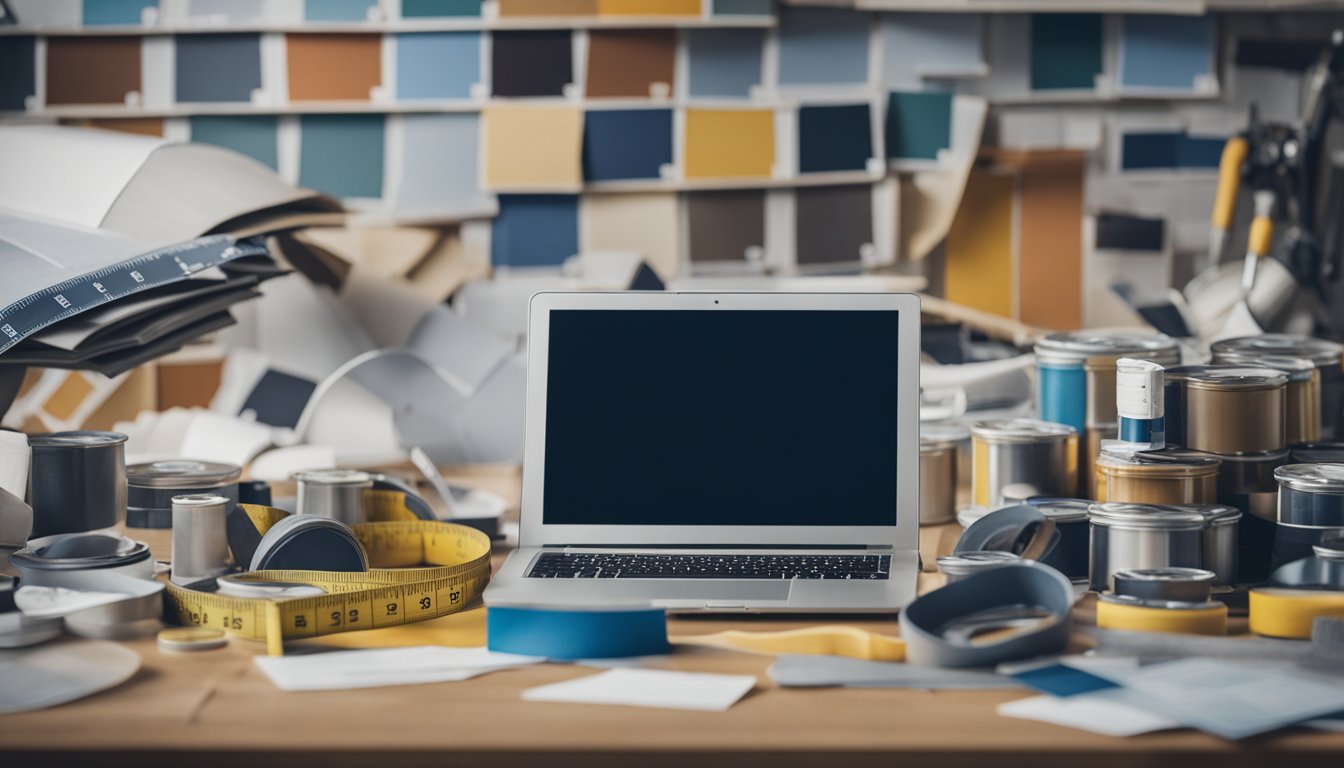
[{"x": 1050, "y": 240}]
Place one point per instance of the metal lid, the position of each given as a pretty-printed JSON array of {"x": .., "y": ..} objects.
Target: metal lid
[
  {"x": 1145, "y": 516},
  {"x": 1166, "y": 574},
  {"x": 199, "y": 500},
  {"x": 944, "y": 433},
  {"x": 182, "y": 473},
  {"x": 334, "y": 477},
  {"x": 1318, "y": 453},
  {"x": 1061, "y": 510},
  {"x": 933, "y": 445},
  {"x": 966, "y": 563},
  {"x": 81, "y": 551},
  {"x": 1320, "y": 352},
  {"x": 1174, "y": 605},
  {"x": 1330, "y": 546},
  {"x": 1312, "y": 478},
  {"x": 1227, "y": 377},
  {"x": 1080, "y": 345},
  {"x": 1021, "y": 431},
  {"x": 80, "y": 439},
  {"x": 1215, "y": 514},
  {"x": 1168, "y": 462},
  {"x": 1297, "y": 368}
]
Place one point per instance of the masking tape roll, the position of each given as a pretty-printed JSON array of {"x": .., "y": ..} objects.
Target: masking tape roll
[
  {"x": 1290, "y": 612},
  {"x": 568, "y": 634},
  {"x": 1198, "y": 619}
]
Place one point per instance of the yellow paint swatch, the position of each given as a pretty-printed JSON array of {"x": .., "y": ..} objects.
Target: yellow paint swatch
[
  {"x": 979, "y": 269},
  {"x": 532, "y": 147},
  {"x": 643, "y": 223},
  {"x": 729, "y": 143},
  {"x": 648, "y": 7},
  {"x": 69, "y": 396}
]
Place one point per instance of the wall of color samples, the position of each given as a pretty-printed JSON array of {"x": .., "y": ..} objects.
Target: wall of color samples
[
  {"x": 218, "y": 67},
  {"x": 428, "y": 9},
  {"x": 438, "y": 65},
  {"x": 535, "y": 230},
  {"x": 729, "y": 143},
  {"x": 439, "y": 161},
  {"x": 342, "y": 155},
  {"x": 1050, "y": 240},
  {"x": 822, "y": 46},
  {"x": 725, "y": 224},
  {"x": 104, "y": 12},
  {"x": 333, "y": 67},
  {"x": 833, "y": 225},
  {"x": 1066, "y": 50},
  {"x": 1171, "y": 52},
  {"x": 724, "y": 62},
  {"x": 834, "y": 138},
  {"x": 18, "y": 60},
  {"x": 532, "y": 147},
  {"x": 631, "y": 63},
  {"x": 531, "y": 63},
  {"x": 919, "y": 125},
  {"x": 72, "y": 62},
  {"x": 252, "y": 135},
  {"x": 979, "y": 257},
  {"x": 626, "y": 143}
]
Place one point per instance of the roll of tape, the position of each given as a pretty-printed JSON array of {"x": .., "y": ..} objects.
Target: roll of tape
[
  {"x": 1182, "y": 585},
  {"x": 1290, "y": 612},
  {"x": 599, "y": 633},
  {"x": 1136, "y": 615}
]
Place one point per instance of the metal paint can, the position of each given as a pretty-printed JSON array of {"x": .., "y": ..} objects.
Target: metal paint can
[
  {"x": 1316, "y": 453},
  {"x": 1221, "y": 529},
  {"x": 1325, "y": 355},
  {"x": 1311, "y": 506},
  {"x": 1302, "y": 412},
  {"x": 333, "y": 493},
  {"x": 1039, "y": 454},
  {"x": 150, "y": 488},
  {"x": 937, "y": 481},
  {"x": 1070, "y": 556},
  {"x": 960, "y": 436},
  {"x": 1188, "y": 585},
  {"x": 960, "y": 566},
  {"x": 1128, "y": 536},
  {"x": 1246, "y": 481},
  {"x": 200, "y": 538},
  {"x": 77, "y": 481},
  {"x": 1226, "y": 409},
  {"x": 1167, "y": 476}
]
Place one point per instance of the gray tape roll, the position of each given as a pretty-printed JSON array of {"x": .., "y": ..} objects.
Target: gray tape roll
[
  {"x": 1022, "y": 530},
  {"x": 944, "y": 628},
  {"x": 1182, "y": 585}
]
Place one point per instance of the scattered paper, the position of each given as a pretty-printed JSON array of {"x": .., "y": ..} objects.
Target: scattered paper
[
  {"x": 649, "y": 688},
  {"x": 52, "y": 602},
  {"x": 813, "y": 671},
  {"x": 1101, "y": 712},
  {"x": 341, "y": 670}
]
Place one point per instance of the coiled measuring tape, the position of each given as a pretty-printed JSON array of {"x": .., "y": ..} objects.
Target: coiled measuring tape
[
  {"x": 1279, "y": 612},
  {"x": 420, "y": 569}
]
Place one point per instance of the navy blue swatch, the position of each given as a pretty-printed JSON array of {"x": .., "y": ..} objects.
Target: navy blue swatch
[
  {"x": 834, "y": 138},
  {"x": 626, "y": 143},
  {"x": 1168, "y": 149},
  {"x": 1122, "y": 232},
  {"x": 535, "y": 230},
  {"x": 18, "y": 62},
  {"x": 278, "y": 398},
  {"x": 1059, "y": 680}
]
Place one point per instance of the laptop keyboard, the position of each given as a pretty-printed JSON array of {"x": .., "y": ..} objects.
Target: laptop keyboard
[{"x": 594, "y": 565}]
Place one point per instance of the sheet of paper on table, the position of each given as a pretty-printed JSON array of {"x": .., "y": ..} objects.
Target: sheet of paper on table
[
  {"x": 649, "y": 688},
  {"x": 340, "y": 670}
]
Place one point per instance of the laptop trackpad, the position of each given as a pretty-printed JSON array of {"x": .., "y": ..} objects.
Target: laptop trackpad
[{"x": 680, "y": 593}]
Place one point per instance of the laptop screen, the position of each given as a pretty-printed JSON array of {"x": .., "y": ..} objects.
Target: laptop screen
[{"x": 721, "y": 417}]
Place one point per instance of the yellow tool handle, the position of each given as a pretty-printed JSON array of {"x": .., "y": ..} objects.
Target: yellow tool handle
[
  {"x": 1140, "y": 618},
  {"x": 1262, "y": 232},
  {"x": 1229, "y": 181},
  {"x": 1289, "y": 612}
]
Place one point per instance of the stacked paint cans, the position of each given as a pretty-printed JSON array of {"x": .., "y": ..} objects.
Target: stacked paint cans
[
  {"x": 1076, "y": 384},
  {"x": 1326, "y": 356}
]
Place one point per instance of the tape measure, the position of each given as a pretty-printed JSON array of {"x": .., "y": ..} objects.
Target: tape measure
[
  {"x": 1208, "y": 618},
  {"x": 1290, "y": 612},
  {"x": 420, "y": 569}
]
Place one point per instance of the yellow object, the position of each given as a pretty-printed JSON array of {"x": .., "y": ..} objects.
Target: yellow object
[
  {"x": 1141, "y": 618},
  {"x": 648, "y": 7},
  {"x": 532, "y": 147},
  {"x": 1229, "y": 180},
  {"x": 979, "y": 262},
  {"x": 1289, "y": 612},
  {"x": 833, "y": 640},
  {"x": 729, "y": 143},
  {"x": 1262, "y": 233}
]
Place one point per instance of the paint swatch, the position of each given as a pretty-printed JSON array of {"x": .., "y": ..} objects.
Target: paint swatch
[
  {"x": 534, "y": 230},
  {"x": 1168, "y": 150},
  {"x": 626, "y": 143},
  {"x": 823, "y": 45},
  {"x": 724, "y": 62},
  {"x": 531, "y": 63},
  {"x": 439, "y": 161},
  {"x": 631, "y": 63},
  {"x": 742, "y": 7},
  {"x": 140, "y": 126},
  {"x": 227, "y": 11},
  {"x": 18, "y": 60},
  {"x": 1050, "y": 240},
  {"x": 978, "y": 269},
  {"x": 643, "y": 223},
  {"x": 532, "y": 146},
  {"x": 422, "y": 9},
  {"x": 105, "y": 12},
  {"x": 838, "y": 138},
  {"x": 916, "y": 46},
  {"x": 1123, "y": 232},
  {"x": 1290, "y": 55},
  {"x": 72, "y": 60},
  {"x": 919, "y": 125},
  {"x": 725, "y": 224},
  {"x": 278, "y": 398},
  {"x": 338, "y": 10},
  {"x": 342, "y": 155},
  {"x": 832, "y": 224},
  {"x": 648, "y": 7},
  {"x": 729, "y": 143},
  {"x": 1169, "y": 52},
  {"x": 547, "y": 8},
  {"x": 218, "y": 67},
  {"x": 1066, "y": 51},
  {"x": 438, "y": 65},
  {"x": 326, "y": 67},
  {"x": 251, "y": 135}
]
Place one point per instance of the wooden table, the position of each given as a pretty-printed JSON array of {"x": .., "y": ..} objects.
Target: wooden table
[{"x": 216, "y": 708}]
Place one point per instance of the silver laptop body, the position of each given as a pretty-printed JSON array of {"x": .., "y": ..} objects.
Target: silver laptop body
[{"x": 719, "y": 452}]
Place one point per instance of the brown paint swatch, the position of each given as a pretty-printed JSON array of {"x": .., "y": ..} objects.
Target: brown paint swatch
[
  {"x": 327, "y": 67},
  {"x": 547, "y": 7},
  {"x": 833, "y": 223},
  {"x": 1050, "y": 240},
  {"x": 725, "y": 223},
  {"x": 142, "y": 126},
  {"x": 626, "y": 62},
  {"x": 92, "y": 70}
]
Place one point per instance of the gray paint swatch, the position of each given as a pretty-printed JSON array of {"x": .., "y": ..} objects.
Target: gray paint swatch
[
  {"x": 439, "y": 162},
  {"x": 218, "y": 67},
  {"x": 251, "y": 135},
  {"x": 725, "y": 223},
  {"x": 823, "y": 45},
  {"x": 832, "y": 223},
  {"x": 724, "y": 62}
]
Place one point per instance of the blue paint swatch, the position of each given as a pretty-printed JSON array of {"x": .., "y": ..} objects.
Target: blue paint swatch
[
  {"x": 439, "y": 165},
  {"x": 438, "y": 65},
  {"x": 338, "y": 10},
  {"x": 342, "y": 155},
  {"x": 836, "y": 138},
  {"x": 920, "y": 45},
  {"x": 724, "y": 62},
  {"x": 1161, "y": 51},
  {"x": 918, "y": 124},
  {"x": 1156, "y": 150},
  {"x": 251, "y": 135},
  {"x": 626, "y": 143},
  {"x": 823, "y": 45},
  {"x": 100, "y": 12},
  {"x": 218, "y": 67},
  {"x": 1199, "y": 152},
  {"x": 422, "y": 9},
  {"x": 743, "y": 7},
  {"x": 1066, "y": 51},
  {"x": 535, "y": 230},
  {"x": 19, "y": 63}
]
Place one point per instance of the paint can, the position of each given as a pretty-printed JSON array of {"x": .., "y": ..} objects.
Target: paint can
[
  {"x": 937, "y": 481},
  {"x": 200, "y": 537},
  {"x": 150, "y": 488},
  {"x": 960, "y": 436},
  {"x": 966, "y": 564},
  {"x": 1311, "y": 506},
  {"x": 1316, "y": 453},
  {"x": 337, "y": 494},
  {"x": 1188, "y": 585},
  {"x": 1128, "y": 536},
  {"x": 1226, "y": 409},
  {"x": 1325, "y": 355},
  {"x": 1302, "y": 410},
  {"x": 1039, "y": 454},
  {"x": 77, "y": 481},
  {"x": 1246, "y": 481},
  {"x": 1167, "y": 476},
  {"x": 1070, "y": 555},
  {"x": 1222, "y": 526}
]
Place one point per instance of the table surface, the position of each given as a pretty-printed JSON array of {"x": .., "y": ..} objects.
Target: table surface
[{"x": 216, "y": 707}]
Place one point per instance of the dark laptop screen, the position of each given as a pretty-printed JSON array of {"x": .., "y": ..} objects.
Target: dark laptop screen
[{"x": 695, "y": 417}]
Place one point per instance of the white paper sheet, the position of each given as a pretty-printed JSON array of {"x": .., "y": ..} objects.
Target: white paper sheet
[
  {"x": 1102, "y": 712},
  {"x": 340, "y": 670},
  {"x": 649, "y": 688}
]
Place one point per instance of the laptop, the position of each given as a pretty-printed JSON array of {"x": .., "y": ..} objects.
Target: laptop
[{"x": 719, "y": 452}]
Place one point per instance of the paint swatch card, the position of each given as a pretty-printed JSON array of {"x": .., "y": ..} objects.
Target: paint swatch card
[
  {"x": 1125, "y": 232},
  {"x": 729, "y": 143},
  {"x": 916, "y": 46},
  {"x": 531, "y": 63},
  {"x": 429, "y": 9},
  {"x": 649, "y": 7},
  {"x": 439, "y": 161},
  {"x": 832, "y": 225},
  {"x": 834, "y": 138},
  {"x": 978, "y": 268},
  {"x": 631, "y": 63},
  {"x": 742, "y": 7},
  {"x": 546, "y": 8},
  {"x": 438, "y": 65},
  {"x": 333, "y": 67},
  {"x": 342, "y": 155},
  {"x": 1166, "y": 52},
  {"x": 643, "y": 223},
  {"x": 18, "y": 60},
  {"x": 73, "y": 61},
  {"x": 1066, "y": 51},
  {"x": 724, "y": 62},
  {"x": 725, "y": 225},
  {"x": 117, "y": 12},
  {"x": 251, "y": 135},
  {"x": 919, "y": 124},
  {"x": 1050, "y": 239},
  {"x": 534, "y": 230},
  {"x": 626, "y": 143},
  {"x": 339, "y": 10},
  {"x": 226, "y": 11},
  {"x": 217, "y": 67},
  {"x": 823, "y": 46},
  {"x": 1153, "y": 150},
  {"x": 532, "y": 146}
]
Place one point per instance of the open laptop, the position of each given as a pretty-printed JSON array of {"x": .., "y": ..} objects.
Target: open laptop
[{"x": 719, "y": 452}]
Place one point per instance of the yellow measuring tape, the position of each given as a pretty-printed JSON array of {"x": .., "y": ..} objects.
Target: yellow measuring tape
[
  {"x": 419, "y": 569},
  {"x": 1289, "y": 612},
  {"x": 1211, "y": 620}
]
